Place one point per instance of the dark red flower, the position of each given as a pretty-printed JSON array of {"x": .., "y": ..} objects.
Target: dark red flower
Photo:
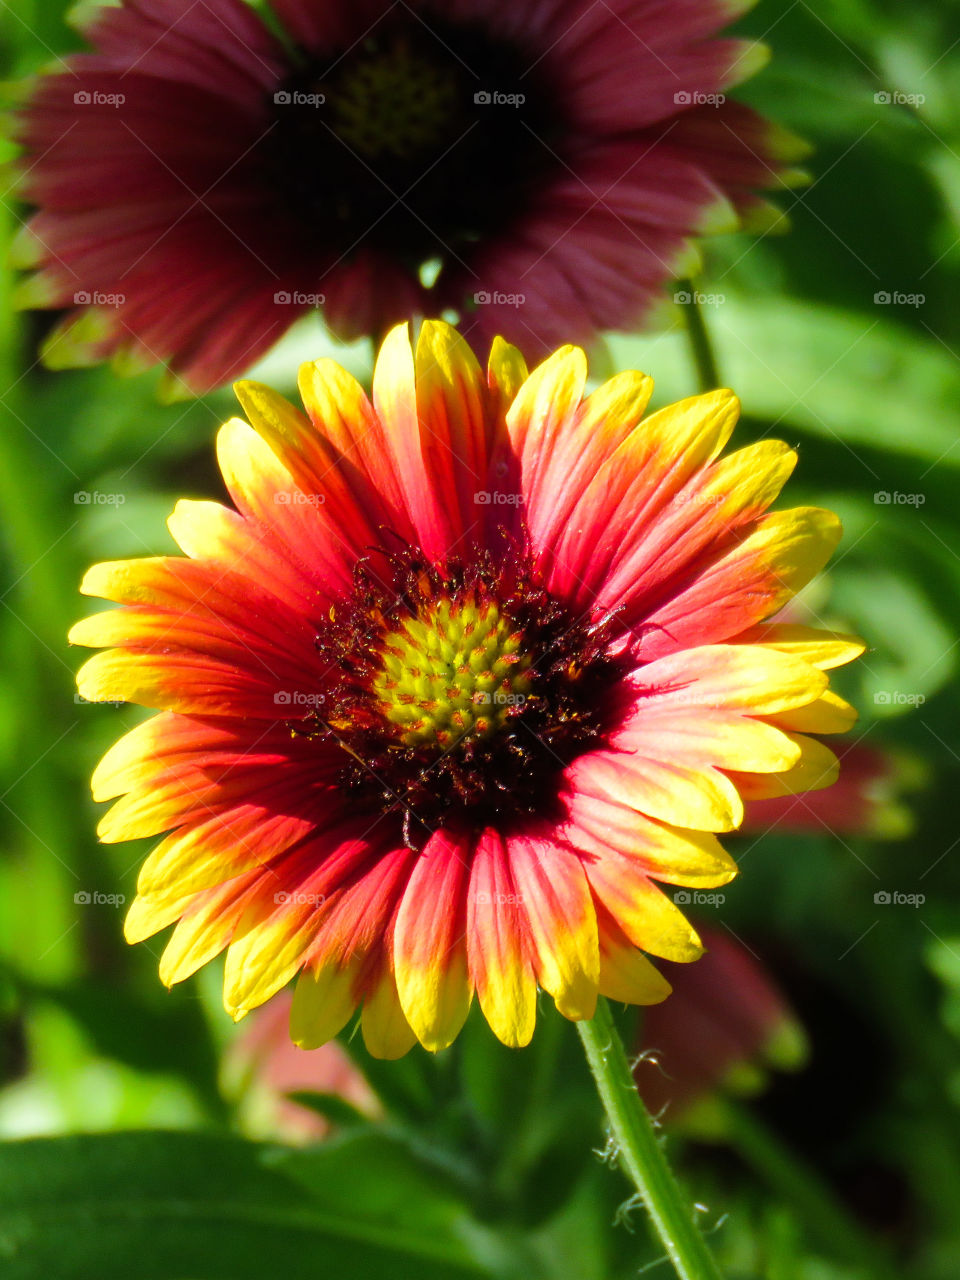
[
  {"x": 539, "y": 168},
  {"x": 724, "y": 1023},
  {"x": 864, "y": 802}
]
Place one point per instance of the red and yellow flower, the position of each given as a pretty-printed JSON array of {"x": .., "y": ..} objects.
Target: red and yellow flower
[{"x": 466, "y": 673}]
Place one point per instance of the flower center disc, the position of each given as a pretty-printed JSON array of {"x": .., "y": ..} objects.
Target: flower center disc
[
  {"x": 455, "y": 671},
  {"x": 389, "y": 142},
  {"x": 458, "y": 692},
  {"x": 395, "y": 102}
]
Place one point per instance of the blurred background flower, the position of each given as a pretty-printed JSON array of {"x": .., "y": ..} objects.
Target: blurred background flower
[
  {"x": 725, "y": 1024},
  {"x": 267, "y": 1072},
  {"x": 209, "y": 174}
]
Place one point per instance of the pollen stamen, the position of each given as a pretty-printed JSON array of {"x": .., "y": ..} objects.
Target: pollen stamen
[{"x": 462, "y": 689}]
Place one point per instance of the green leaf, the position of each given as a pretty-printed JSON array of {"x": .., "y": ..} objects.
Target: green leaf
[
  {"x": 168, "y": 1205},
  {"x": 856, "y": 380},
  {"x": 171, "y": 1033},
  {"x": 330, "y": 1106}
]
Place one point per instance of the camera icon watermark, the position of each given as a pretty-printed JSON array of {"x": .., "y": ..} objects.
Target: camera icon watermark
[
  {"x": 898, "y": 698},
  {"x": 294, "y": 298},
  {"x": 894, "y": 498},
  {"x": 498, "y": 699},
  {"x": 86, "y": 898},
  {"x": 296, "y": 98},
  {"x": 94, "y": 98},
  {"x": 696, "y": 98},
  {"x": 896, "y": 98},
  {"x": 79, "y": 699},
  {"x": 895, "y": 898},
  {"x": 897, "y": 298},
  {"x": 484, "y": 298},
  {"x": 497, "y": 498},
  {"x": 699, "y": 499},
  {"x": 297, "y": 498},
  {"x": 84, "y": 298},
  {"x": 494, "y": 98},
  {"x": 698, "y": 898},
  {"x": 298, "y": 698},
  {"x": 94, "y": 498},
  {"x": 686, "y": 298}
]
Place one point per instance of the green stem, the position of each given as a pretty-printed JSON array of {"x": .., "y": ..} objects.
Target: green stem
[
  {"x": 640, "y": 1152},
  {"x": 700, "y": 344},
  {"x": 831, "y": 1228}
]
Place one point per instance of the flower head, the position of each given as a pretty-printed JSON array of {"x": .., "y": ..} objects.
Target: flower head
[
  {"x": 465, "y": 674},
  {"x": 203, "y": 178},
  {"x": 725, "y": 1024},
  {"x": 867, "y": 799},
  {"x": 263, "y": 1068}
]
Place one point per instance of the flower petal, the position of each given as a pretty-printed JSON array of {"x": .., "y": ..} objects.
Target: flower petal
[
  {"x": 824, "y": 649},
  {"x": 692, "y": 858},
  {"x": 429, "y": 942},
  {"x": 323, "y": 1003},
  {"x": 817, "y": 767},
  {"x": 701, "y": 798},
  {"x": 724, "y": 595},
  {"x": 357, "y": 443},
  {"x": 497, "y": 945},
  {"x": 645, "y": 914},
  {"x": 626, "y": 974},
  {"x": 206, "y": 927},
  {"x": 561, "y": 920},
  {"x": 747, "y": 678},
  {"x": 829, "y": 714},
  {"x": 603, "y": 542},
  {"x": 386, "y": 1031},
  {"x": 395, "y": 400}
]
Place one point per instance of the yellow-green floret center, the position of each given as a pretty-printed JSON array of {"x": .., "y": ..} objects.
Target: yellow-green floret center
[
  {"x": 456, "y": 670},
  {"x": 457, "y": 692}
]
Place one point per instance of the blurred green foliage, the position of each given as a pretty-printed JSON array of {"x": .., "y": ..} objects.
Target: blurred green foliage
[{"x": 484, "y": 1163}]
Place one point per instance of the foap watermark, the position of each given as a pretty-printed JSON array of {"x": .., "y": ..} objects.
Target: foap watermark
[
  {"x": 687, "y": 298},
  {"x": 696, "y": 98},
  {"x": 689, "y": 697},
  {"x": 498, "y": 698},
  {"x": 298, "y": 698},
  {"x": 894, "y": 498},
  {"x": 297, "y": 498},
  {"x": 484, "y": 298},
  {"x": 294, "y": 298},
  {"x": 297, "y": 98},
  {"x": 897, "y": 298},
  {"x": 897, "y": 98},
  {"x": 698, "y": 499},
  {"x": 698, "y": 898},
  {"x": 94, "y": 498},
  {"x": 895, "y": 898},
  {"x": 97, "y": 702},
  {"x": 86, "y": 298},
  {"x": 897, "y": 698},
  {"x": 285, "y": 898},
  {"x": 497, "y": 498},
  {"x": 494, "y": 98},
  {"x": 94, "y": 898},
  {"x": 94, "y": 98},
  {"x": 483, "y": 899}
]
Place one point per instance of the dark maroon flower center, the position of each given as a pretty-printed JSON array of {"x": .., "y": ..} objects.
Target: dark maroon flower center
[
  {"x": 458, "y": 694},
  {"x": 419, "y": 140}
]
